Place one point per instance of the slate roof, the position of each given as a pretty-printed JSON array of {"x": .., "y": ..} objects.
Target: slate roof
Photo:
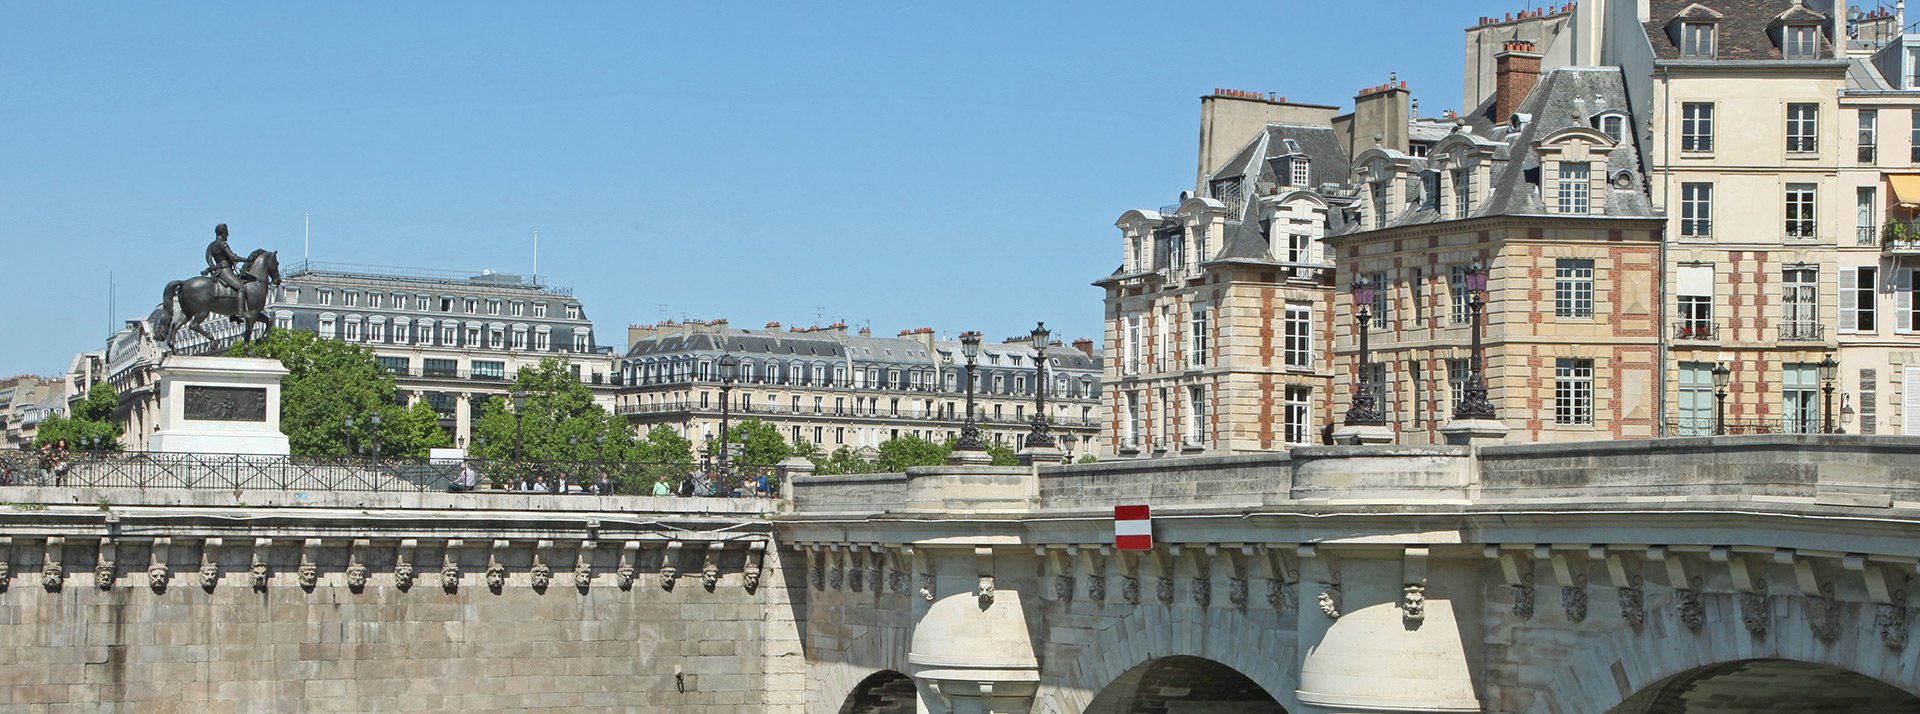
[
  {"x": 1254, "y": 165},
  {"x": 1744, "y": 27}
]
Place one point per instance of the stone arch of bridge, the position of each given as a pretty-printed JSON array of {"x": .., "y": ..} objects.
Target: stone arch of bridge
[
  {"x": 1759, "y": 686},
  {"x": 1608, "y": 669},
  {"x": 883, "y": 692},
  {"x": 1228, "y": 637},
  {"x": 871, "y": 653},
  {"x": 1181, "y": 683}
]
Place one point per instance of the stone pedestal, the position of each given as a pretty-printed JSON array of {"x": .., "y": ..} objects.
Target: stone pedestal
[
  {"x": 219, "y": 405},
  {"x": 1474, "y": 432},
  {"x": 1365, "y": 435},
  {"x": 1040, "y": 455},
  {"x": 974, "y": 457}
]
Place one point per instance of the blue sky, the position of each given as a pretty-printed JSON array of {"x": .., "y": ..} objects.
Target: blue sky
[{"x": 948, "y": 165}]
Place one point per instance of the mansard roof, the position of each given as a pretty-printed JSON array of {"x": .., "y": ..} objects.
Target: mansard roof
[{"x": 1744, "y": 29}]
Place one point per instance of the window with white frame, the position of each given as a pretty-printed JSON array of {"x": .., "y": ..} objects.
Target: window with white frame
[
  {"x": 573, "y": 312},
  {"x": 1869, "y": 137},
  {"x": 449, "y": 336},
  {"x": 1459, "y": 311},
  {"x": 376, "y": 331},
  {"x": 290, "y": 296},
  {"x": 1800, "y": 395},
  {"x": 539, "y": 309},
  {"x": 373, "y": 299},
  {"x": 283, "y": 321},
  {"x": 1378, "y": 196},
  {"x": 1298, "y": 416},
  {"x": 542, "y": 341},
  {"x": 1462, "y": 193},
  {"x": 1866, "y": 215},
  {"x": 473, "y": 337},
  {"x": 1613, "y": 125},
  {"x": 1694, "y": 286},
  {"x": 350, "y": 329},
  {"x": 1197, "y": 352},
  {"x": 1197, "y": 415},
  {"x": 1573, "y": 287},
  {"x": 1299, "y": 247},
  {"x": 326, "y": 296},
  {"x": 1298, "y": 166},
  {"x": 1802, "y": 42},
  {"x": 579, "y": 341},
  {"x": 1379, "y": 306},
  {"x": 1298, "y": 352},
  {"x": 520, "y": 338},
  {"x": 1803, "y": 127},
  {"x": 1458, "y": 372},
  {"x": 1130, "y": 344},
  {"x": 1696, "y": 209},
  {"x": 1800, "y": 303},
  {"x": 399, "y": 301},
  {"x": 1572, "y": 391},
  {"x": 1696, "y": 126},
  {"x": 1573, "y": 186},
  {"x": 1373, "y": 378},
  {"x": 517, "y": 308},
  {"x": 349, "y": 298},
  {"x": 1800, "y": 210},
  {"x": 1914, "y": 151},
  {"x": 1430, "y": 190},
  {"x": 1859, "y": 300},
  {"x": 1696, "y": 40}
]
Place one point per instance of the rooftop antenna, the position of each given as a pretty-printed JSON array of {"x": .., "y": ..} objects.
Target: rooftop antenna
[
  {"x": 306, "y": 240},
  {"x": 110, "y": 301},
  {"x": 536, "y": 256},
  {"x": 819, "y": 314}
]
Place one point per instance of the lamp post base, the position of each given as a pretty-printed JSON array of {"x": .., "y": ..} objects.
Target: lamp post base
[
  {"x": 1363, "y": 434},
  {"x": 1041, "y": 455},
  {"x": 1474, "y": 432},
  {"x": 973, "y": 457}
]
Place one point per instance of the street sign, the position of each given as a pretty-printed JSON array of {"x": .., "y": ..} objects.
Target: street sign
[{"x": 1132, "y": 528}]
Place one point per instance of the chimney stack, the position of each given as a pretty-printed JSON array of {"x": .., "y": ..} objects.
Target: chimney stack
[
  {"x": 1084, "y": 345},
  {"x": 1516, "y": 68},
  {"x": 1380, "y": 116}
]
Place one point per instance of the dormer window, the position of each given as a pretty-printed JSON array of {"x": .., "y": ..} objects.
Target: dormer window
[
  {"x": 1430, "y": 190},
  {"x": 1696, "y": 40},
  {"x": 1379, "y": 199},
  {"x": 1801, "y": 42},
  {"x": 1462, "y": 192},
  {"x": 1298, "y": 166},
  {"x": 1614, "y": 125}
]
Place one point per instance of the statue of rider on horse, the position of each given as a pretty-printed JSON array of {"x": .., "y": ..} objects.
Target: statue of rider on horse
[{"x": 231, "y": 285}]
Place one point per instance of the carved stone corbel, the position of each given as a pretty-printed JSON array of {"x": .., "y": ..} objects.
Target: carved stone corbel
[
  {"x": 836, "y": 568},
  {"x": 1161, "y": 562},
  {"x": 1624, "y": 573},
  {"x": 710, "y": 568},
  {"x": 1059, "y": 570},
  {"x": 52, "y": 573},
  {"x": 210, "y": 563},
  {"x": 257, "y": 570},
  {"x": 1413, "y": 591},
  {"x": 1884, "y": 585},
  {"x": 157, "y": 575},
  {"x": 899, "y": 566},
  {"x": 1129, "y": 566},
  {"x": 669, "y": 573},
  {"x": 1200, "y": 565},
  {"x": 1282, "y": 572},
  {"x": 756, "y": 558},
  {"x": 1685, "y": 579},
  {"x": 816, "y": 567},
  {"x": 104, "y": 564},
  {"x": 983, "y": 565},
  {"x": 450, "y": 566},
  {"x": 1326, "y": 573},
  {"x": 1516, "y": 569},
  {"x": 875, "y": 563},
  {"x": 1233, "y": 561},
  {"x": 583, "y": 565},
  {"x": 1570, "y": 571},
  {"x": 403, "y": 573},
  {"x": 1093, "y": 562},
  {"x": 541, "y": 574},
  {"x": 496, "y": 571},
  {"x": 856, "y": 568},
  {"x": 6, "y": 563},
  {"x": 1756, "y": 611},
  {"x": 357, "y": 568},
  {"x": 308, "y": 571},
  {"x": 624, "y": 573}
]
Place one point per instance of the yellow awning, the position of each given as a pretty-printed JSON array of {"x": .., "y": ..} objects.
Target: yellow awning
[{"x": 1906, "y": 188}]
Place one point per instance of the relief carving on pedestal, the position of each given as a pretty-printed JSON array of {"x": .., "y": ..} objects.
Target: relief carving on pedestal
[
  {"x": 1633, "y": 607},
  {"x": 1891, "y": 620},
  {"x": 1693, "y": 613},
  {"x": 1755, "y": 613},
  {"x": 202, "y": 403},
  {"x": 1413, "y": 603}
]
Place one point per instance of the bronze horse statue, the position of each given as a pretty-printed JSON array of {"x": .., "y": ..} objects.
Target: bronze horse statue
[{"x": 203, "y": 297}]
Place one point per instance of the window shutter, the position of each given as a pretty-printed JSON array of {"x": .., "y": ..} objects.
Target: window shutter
[
  {"x": 1903, "y": 301},
  {"x": 1910, "y": 406},
  {"x": 1849, "y": 311}
]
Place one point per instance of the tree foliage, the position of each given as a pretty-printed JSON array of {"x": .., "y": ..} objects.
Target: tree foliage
[
  {"x": 329, "y": 381},
  {"x": 760, "y": 443},
  {"x": 90, "y": 421},
  {"x": 559, "y": 422},
  {"x": 1003, "y": 455},
  {"x": 896, "y": 455},
  {"x": 842, "y": 461}
]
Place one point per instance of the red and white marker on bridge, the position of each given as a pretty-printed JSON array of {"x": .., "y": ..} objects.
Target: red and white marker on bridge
[{"x": 1132, "y": 528}]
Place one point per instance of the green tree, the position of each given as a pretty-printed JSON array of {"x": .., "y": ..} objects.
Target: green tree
[
  {"x": 841, "y": 461},
  {"x": 329, "y": 381},
  {"x": 1003, "y": 455},
  {"x": 664, "y": 445},
  {"x": 1088, "y": 459},
  {"x": 559, "y": 422},
  {"x": 760, "y": 443},
  {"x": 90, "y": 422},
  {"x": 898, "y": 454}
]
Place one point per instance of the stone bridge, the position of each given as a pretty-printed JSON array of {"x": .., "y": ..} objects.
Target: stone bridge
[{"x": 1734, "y": 574}]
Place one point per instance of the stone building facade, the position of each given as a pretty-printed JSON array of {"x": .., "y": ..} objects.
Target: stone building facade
[{"x": 833, "y": 388}]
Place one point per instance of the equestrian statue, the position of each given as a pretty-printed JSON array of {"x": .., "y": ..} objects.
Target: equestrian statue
[{"x": 231, "y": 286}]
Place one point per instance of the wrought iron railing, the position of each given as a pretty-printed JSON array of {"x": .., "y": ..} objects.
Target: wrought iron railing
[
  {"x": 1801, "y": 331},
  {"x": 1704, "y": 426},
  {"x": 238, "y": 472},
  {"x": 1696, "y": 330}
]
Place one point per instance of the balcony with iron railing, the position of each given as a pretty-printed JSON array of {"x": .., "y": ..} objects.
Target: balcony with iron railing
[
  {"x": 1900, "y": 238},
  {"x": 937, "y": 415},
  {"x": 1801, "y": 331},
  {"x": 1696, "y": 331},
  {"x": 1867, "y": 235}
]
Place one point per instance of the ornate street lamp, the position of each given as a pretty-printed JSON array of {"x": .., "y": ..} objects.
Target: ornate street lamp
[
  {"x": 519, "y": 405},
  {"x": 1363, "y": 412},
  {"x": 601, "y": 442},
  {"x": 727, "y": 367},
  {"x": 1473, "y": 398},
  {"x": 1829, "y": 370},
  {"x": 1040, "y": 436},
  {"x": 1721, "y": 377},
  {"x": 375, "y": 420},
  {"x": 349, "y": 423},
  {"x": 970, "y": 430}
]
